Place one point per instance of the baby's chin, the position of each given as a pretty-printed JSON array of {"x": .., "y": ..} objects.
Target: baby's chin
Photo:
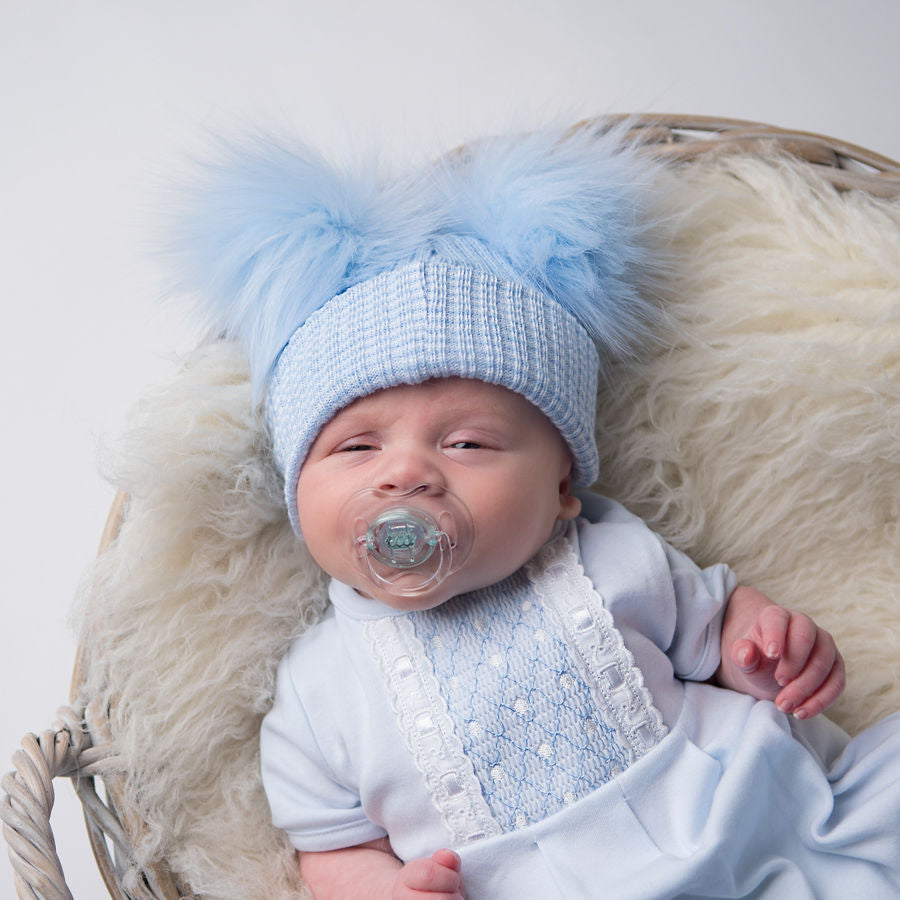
[{"x": 416, "y": 601}]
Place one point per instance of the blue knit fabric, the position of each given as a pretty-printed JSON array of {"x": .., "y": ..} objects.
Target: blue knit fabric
[
  {"x": 527, "y": 720},
  {"x": 432, "y": 319}
]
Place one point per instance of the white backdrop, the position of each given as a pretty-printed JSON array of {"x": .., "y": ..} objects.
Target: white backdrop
[{"x": 100, "y": 100}]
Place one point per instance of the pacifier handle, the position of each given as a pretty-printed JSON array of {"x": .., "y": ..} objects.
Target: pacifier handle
[{"x": 403, "y": 537}]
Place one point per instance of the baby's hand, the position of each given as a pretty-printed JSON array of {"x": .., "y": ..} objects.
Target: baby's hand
[
  {"x": 440, "y": 878},
  {"x": 781, "y": 655}
]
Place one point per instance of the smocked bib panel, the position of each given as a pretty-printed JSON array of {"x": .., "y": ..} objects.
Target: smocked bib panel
[{"x": 516, "y": 700}]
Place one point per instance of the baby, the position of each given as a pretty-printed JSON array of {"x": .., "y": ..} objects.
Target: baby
[
  {"x": 510, "y": 695},
  {"x": 503, "y": 458}
]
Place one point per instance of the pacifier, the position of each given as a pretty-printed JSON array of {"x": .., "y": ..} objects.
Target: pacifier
[{"x": 407, "y": 543}]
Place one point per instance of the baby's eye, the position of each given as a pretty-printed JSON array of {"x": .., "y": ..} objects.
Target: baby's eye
[
  {"x": 354, "y": 448},
  {"x": 465, "y": 445}
]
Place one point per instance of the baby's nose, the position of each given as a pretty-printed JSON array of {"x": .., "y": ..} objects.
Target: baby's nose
[{"x": 409, "y": 471}]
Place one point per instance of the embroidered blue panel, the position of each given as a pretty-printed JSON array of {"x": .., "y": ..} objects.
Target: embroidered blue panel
[{"x": 527, "y": 720}]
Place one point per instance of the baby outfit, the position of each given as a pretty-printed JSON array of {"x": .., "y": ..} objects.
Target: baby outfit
[{"x": 555, "y": 730}]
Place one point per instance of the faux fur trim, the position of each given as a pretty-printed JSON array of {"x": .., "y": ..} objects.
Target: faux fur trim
[
  {"x": 185, "y": 618},
  {"x": 271, "y": 231},
  {"x": 765, "y": 433}
]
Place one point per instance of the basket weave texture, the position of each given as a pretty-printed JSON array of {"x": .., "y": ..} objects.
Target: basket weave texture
[{"x": 79, "y": 745}]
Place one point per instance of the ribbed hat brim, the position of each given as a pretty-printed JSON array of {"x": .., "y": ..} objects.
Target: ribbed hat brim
[{"x": 426, "y": 320}]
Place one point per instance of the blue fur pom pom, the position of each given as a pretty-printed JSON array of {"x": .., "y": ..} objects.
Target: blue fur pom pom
[
  {"x": 569, "y": 214},
  {"x": 269, "y": 233}
]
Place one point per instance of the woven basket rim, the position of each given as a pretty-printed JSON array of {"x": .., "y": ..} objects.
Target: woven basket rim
[{"x": 678, "y": 137}]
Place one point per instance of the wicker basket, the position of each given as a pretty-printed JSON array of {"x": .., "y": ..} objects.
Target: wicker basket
[{"x": 79, "y": 745}]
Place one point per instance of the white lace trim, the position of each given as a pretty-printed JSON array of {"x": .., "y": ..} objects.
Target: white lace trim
[
  {"x": 428, "y": 729},
  {"x": 617, "y": 683}
]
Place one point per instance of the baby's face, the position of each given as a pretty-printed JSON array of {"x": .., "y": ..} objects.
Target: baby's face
[{"x": 489, "y": 446}]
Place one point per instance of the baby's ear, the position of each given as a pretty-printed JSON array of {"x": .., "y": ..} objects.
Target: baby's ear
[{"x": 569, "y": 504}]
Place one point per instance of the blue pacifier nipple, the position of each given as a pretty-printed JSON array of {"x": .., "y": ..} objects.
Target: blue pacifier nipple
[{"x": 407, "y": 543}]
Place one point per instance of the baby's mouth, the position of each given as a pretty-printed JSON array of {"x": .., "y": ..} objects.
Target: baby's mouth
[{"x": 407, "y": 544}]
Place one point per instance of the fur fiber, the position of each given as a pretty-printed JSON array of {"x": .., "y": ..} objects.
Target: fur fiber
[
  {"x": 764, "y": 431},
  {"x": 272, "y": 232},
  {"x": 185, "y": 618}
]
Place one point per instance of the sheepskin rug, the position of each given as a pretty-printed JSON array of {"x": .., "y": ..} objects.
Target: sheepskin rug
[{"x": 763, "y": 429}]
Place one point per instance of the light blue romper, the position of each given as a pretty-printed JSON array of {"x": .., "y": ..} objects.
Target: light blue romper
[{"x": 555, "y": 730}]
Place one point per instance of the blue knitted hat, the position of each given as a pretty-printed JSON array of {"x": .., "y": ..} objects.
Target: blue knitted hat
[{"x": 512, "y": 261}]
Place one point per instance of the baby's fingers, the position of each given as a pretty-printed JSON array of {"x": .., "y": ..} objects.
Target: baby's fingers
[
  {"x": 798, "y": 648},
  {"x": 439, "y": 877},
  {"x": 448, "y": 859},
  {"x": 820, "y": 700},
  {"x": 746, "y": 656},
  {"x": 772, "y": 624},
  {"x": 818, "y": 684}
]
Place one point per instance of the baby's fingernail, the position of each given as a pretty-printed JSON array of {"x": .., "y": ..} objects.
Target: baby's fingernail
[
  {"x": 786, "y": 706},
  {"x": 801, "y": 714},
  {"x": 772, "y": 650}
]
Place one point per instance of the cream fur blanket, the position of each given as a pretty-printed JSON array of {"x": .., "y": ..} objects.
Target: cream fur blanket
[{"x": 765, "y": 431}]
